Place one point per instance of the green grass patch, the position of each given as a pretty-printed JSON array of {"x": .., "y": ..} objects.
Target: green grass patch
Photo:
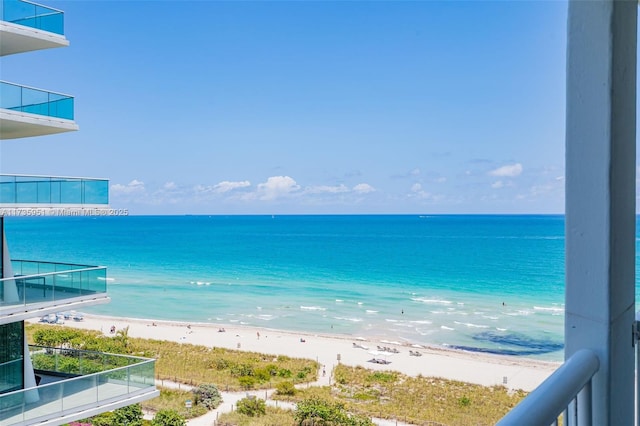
[
  {"x": 230, "y": 370},
  {"x": 415, "y": 400},
  {"x": 173, "y": 399},
  {"x": 274, "y": 416}
]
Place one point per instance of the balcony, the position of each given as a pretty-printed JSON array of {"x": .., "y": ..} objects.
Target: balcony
[
  {"x": 26, "y": 26},
  {"x": 53, "y": 191},
  {"x": 42, "y": 288},
  {"x": 565, "y": 396},
  {"x": 76, "y": 384},
  {"x": 26, "y": 112}
]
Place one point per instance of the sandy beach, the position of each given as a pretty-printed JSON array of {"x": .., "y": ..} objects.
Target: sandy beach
[{"x": 483, "y": 369}]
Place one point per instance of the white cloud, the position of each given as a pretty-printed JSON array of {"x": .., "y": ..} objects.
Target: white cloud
[
  {"x": 170, "y": 186},
  {"x": 323, "y": 189},
  {"x": 510, "y": 170},
  {"x": 277, "y": 187},
  {"x": 544, "y": 189},
  {"x": 363, "y": 188},
  {"x": 415, "y": 172},
  {"x": 497, "y": 184},
  {"x": 441, "y": 179},
  {"x": 226, "y": 186},
  {"x": 418, "y": 192},
  {"x": 133, "y": 187}
]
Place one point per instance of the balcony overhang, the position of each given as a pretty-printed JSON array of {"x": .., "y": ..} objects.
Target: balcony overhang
[
  {"x": 41, "y": 288},
  {"x": 32, "y": 310},
  {"x": 19, "y": 38},
  {"x": 94, "y": 383},
  {"x": 17, "y": 124}
]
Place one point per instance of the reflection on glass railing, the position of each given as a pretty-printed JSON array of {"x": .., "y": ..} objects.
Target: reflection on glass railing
[
  {"x": 35, "y": 101},
  {"x": 17, "y": 189},
  {"x": 92, "y": 378},
  {"x": 32, "y": 15},
  {"x": 42, "y": 282}
]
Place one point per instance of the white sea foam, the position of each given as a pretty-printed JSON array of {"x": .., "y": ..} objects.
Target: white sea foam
[
  {"x": 471, "y": 325},
  {"x": 518, "y": 313},
  {"x": 369, "y": 311},
  {"x": 421, "y": 322},
  {"x": 490, "y": 317},
  {"x": 348, "y": 319},
  {"x": 312, "y": 308},
  {"x": 444, "y": 327},
  {"x": 391, "y": 320},
  {"x": 551, "y": 309},
  {"x": 265, "y": 317},
  {"x": 339, "y": 300},
  {"x": 431, "y": 301},
  {"x": 501, "y": 329}
]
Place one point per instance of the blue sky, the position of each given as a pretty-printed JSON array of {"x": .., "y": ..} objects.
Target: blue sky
[{"x": 209, "y": 107}]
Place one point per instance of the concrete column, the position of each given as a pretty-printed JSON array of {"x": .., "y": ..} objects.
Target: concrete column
[{"x": 600, "y": 198}]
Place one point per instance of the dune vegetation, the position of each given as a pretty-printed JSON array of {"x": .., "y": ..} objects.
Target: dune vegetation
[{"x": 355, "y": 393}]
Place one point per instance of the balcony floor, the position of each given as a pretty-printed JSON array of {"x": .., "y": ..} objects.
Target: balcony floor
[{"x": 77, "y": 403}]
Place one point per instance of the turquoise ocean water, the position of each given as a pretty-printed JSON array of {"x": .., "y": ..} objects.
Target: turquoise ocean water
[{"x": 482, "y": 283}]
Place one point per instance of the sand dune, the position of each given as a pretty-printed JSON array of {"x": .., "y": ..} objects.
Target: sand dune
[{"x": 483, "y": 369}]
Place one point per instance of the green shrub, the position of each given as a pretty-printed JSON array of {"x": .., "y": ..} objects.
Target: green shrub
[
  {"x": 464, "y": 401},
  {"x": 272, "y": 369},
  {"x": 207, "y": 395},
  {"x": 318, "y": 411},
  {"x": 222, "y": 364},
  {"x": 168, "y": 418},
  {"x": 285, "y": 388},
  {"x": 252, "y": 407},
  {"x": 262, "y": 375},
  {"x": 283, "y": 372},
  {"x": 242, "y": 370},
  {"x": 247, "y": 382},
  {"x": 104, "y": 419},
  {"x": 131, "y": 415}
]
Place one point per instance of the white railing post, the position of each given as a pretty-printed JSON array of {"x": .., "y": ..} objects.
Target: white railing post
[
  {"x": 567, "y": 390},
  {"x": 584, "y": 405}
]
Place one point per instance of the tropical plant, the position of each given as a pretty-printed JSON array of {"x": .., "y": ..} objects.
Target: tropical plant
[
  {"x": 131, "y": 415},
  {"x": 286, "y": 388},
  {"x": 319, "y": 411},
  {"x": 168, "y": 418},
  {"x": 252, "y": 407},
  {"x": 207, "y": 395}
]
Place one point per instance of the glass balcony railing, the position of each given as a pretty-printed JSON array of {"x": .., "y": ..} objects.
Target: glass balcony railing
[
  {"x": 20, "y": 189},
  {"x": 47, "y": 282},
  {"x": 85, "y": 380},
  {"x": 35, "y": 101},
  {"x": 32, "y": 15}
]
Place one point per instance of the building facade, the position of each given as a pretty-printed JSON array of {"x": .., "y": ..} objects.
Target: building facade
[{"x": 37, "y": 386}]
